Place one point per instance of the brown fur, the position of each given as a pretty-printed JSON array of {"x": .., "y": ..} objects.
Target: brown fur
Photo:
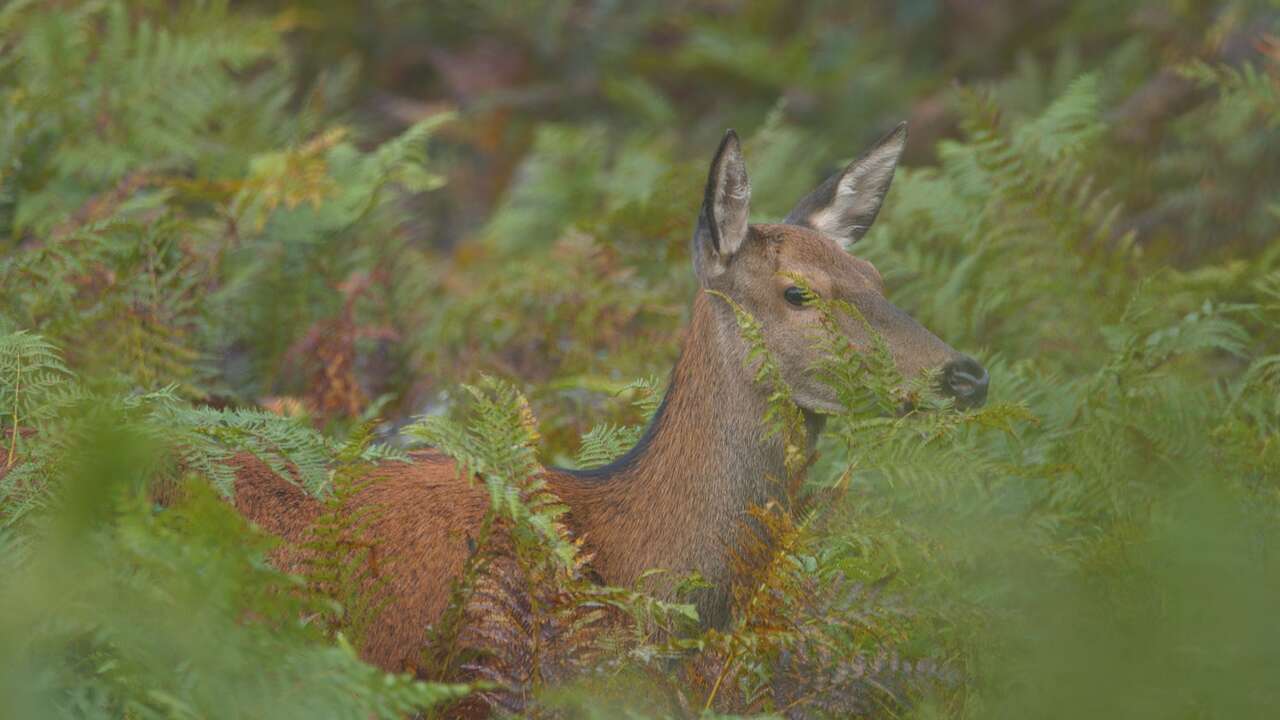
[
  {"x": 679, "y": 499},
  {"x": 419, "y": 532}
]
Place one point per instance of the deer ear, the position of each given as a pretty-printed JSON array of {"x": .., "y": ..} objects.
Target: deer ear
[
  {"x": 722, "y": 224},
  {"x": 847, "y": 203}
]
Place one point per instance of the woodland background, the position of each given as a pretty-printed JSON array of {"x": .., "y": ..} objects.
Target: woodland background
[{"x": 296, "y": 227}]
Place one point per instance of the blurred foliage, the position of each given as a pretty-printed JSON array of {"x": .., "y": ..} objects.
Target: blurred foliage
[{"x": 258, "y": 226}]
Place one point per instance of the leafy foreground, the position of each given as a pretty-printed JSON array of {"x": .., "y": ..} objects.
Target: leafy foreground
[{"x": 209, "y": 250}]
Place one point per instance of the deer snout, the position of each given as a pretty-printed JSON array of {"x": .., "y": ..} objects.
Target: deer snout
[{"x": 965, "y": 380}]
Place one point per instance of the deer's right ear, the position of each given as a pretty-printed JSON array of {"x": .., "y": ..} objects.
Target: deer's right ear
[{"x": 722, "y": 224}]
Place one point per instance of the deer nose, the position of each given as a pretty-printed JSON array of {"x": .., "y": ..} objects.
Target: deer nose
[{"x": 966, "y": 381}]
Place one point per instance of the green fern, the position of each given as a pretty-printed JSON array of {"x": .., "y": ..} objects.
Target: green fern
[
  {"x": 782, "y": 416},
  {"x": 171, "y": 97},
  {"x": 647, "y": 395},
  {"x": 208, "y": 438},
  {"x": 30, "y": 369},
  {"x": 497, "y": 446},
  {"x": 192, "y": 197},
  {"x": 124, "y": 627},
  {"x": 603, "y": 443},
  {"x": 342, "y": 566},
  {"x": 1249, "y": 86}
]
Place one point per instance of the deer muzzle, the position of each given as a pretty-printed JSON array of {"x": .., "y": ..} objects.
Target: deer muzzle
[{"x": 965, "y": 380}]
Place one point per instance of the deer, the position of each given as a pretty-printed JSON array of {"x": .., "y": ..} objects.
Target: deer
[{"x": 679, "y": 498}]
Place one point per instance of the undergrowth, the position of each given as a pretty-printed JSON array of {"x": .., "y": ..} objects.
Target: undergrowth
[{"x": 234, "y": 228}]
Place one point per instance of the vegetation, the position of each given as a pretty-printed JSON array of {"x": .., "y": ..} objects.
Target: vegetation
[{"x": 323, "y": 234}]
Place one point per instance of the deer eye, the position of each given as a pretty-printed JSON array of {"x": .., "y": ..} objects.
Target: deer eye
[{"x": 796, "y": 296}]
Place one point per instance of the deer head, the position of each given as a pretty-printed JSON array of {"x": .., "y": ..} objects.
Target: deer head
[{"x": 755, "y": 265}]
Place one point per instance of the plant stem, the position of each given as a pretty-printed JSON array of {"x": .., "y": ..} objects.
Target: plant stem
[
  {"x": 17, "y": 397},
  {"x": 715, "y": 689}
]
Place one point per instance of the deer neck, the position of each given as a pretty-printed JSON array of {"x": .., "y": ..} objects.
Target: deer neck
[{"x": 679, "y": 500}]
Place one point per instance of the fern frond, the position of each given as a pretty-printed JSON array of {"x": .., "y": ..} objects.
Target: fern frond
[
  {"x": 647, "y": 394},
  {"x": 782, "y": 417},
  {"x": 31, "y": 368},
  {"x": 604, "y": 443},
  {"x": 207, "y": 438},
  {"x": 497, "y": 445}
]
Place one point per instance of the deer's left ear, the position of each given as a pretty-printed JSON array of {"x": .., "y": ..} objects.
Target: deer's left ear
[{"x": 847, "y": 203}]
